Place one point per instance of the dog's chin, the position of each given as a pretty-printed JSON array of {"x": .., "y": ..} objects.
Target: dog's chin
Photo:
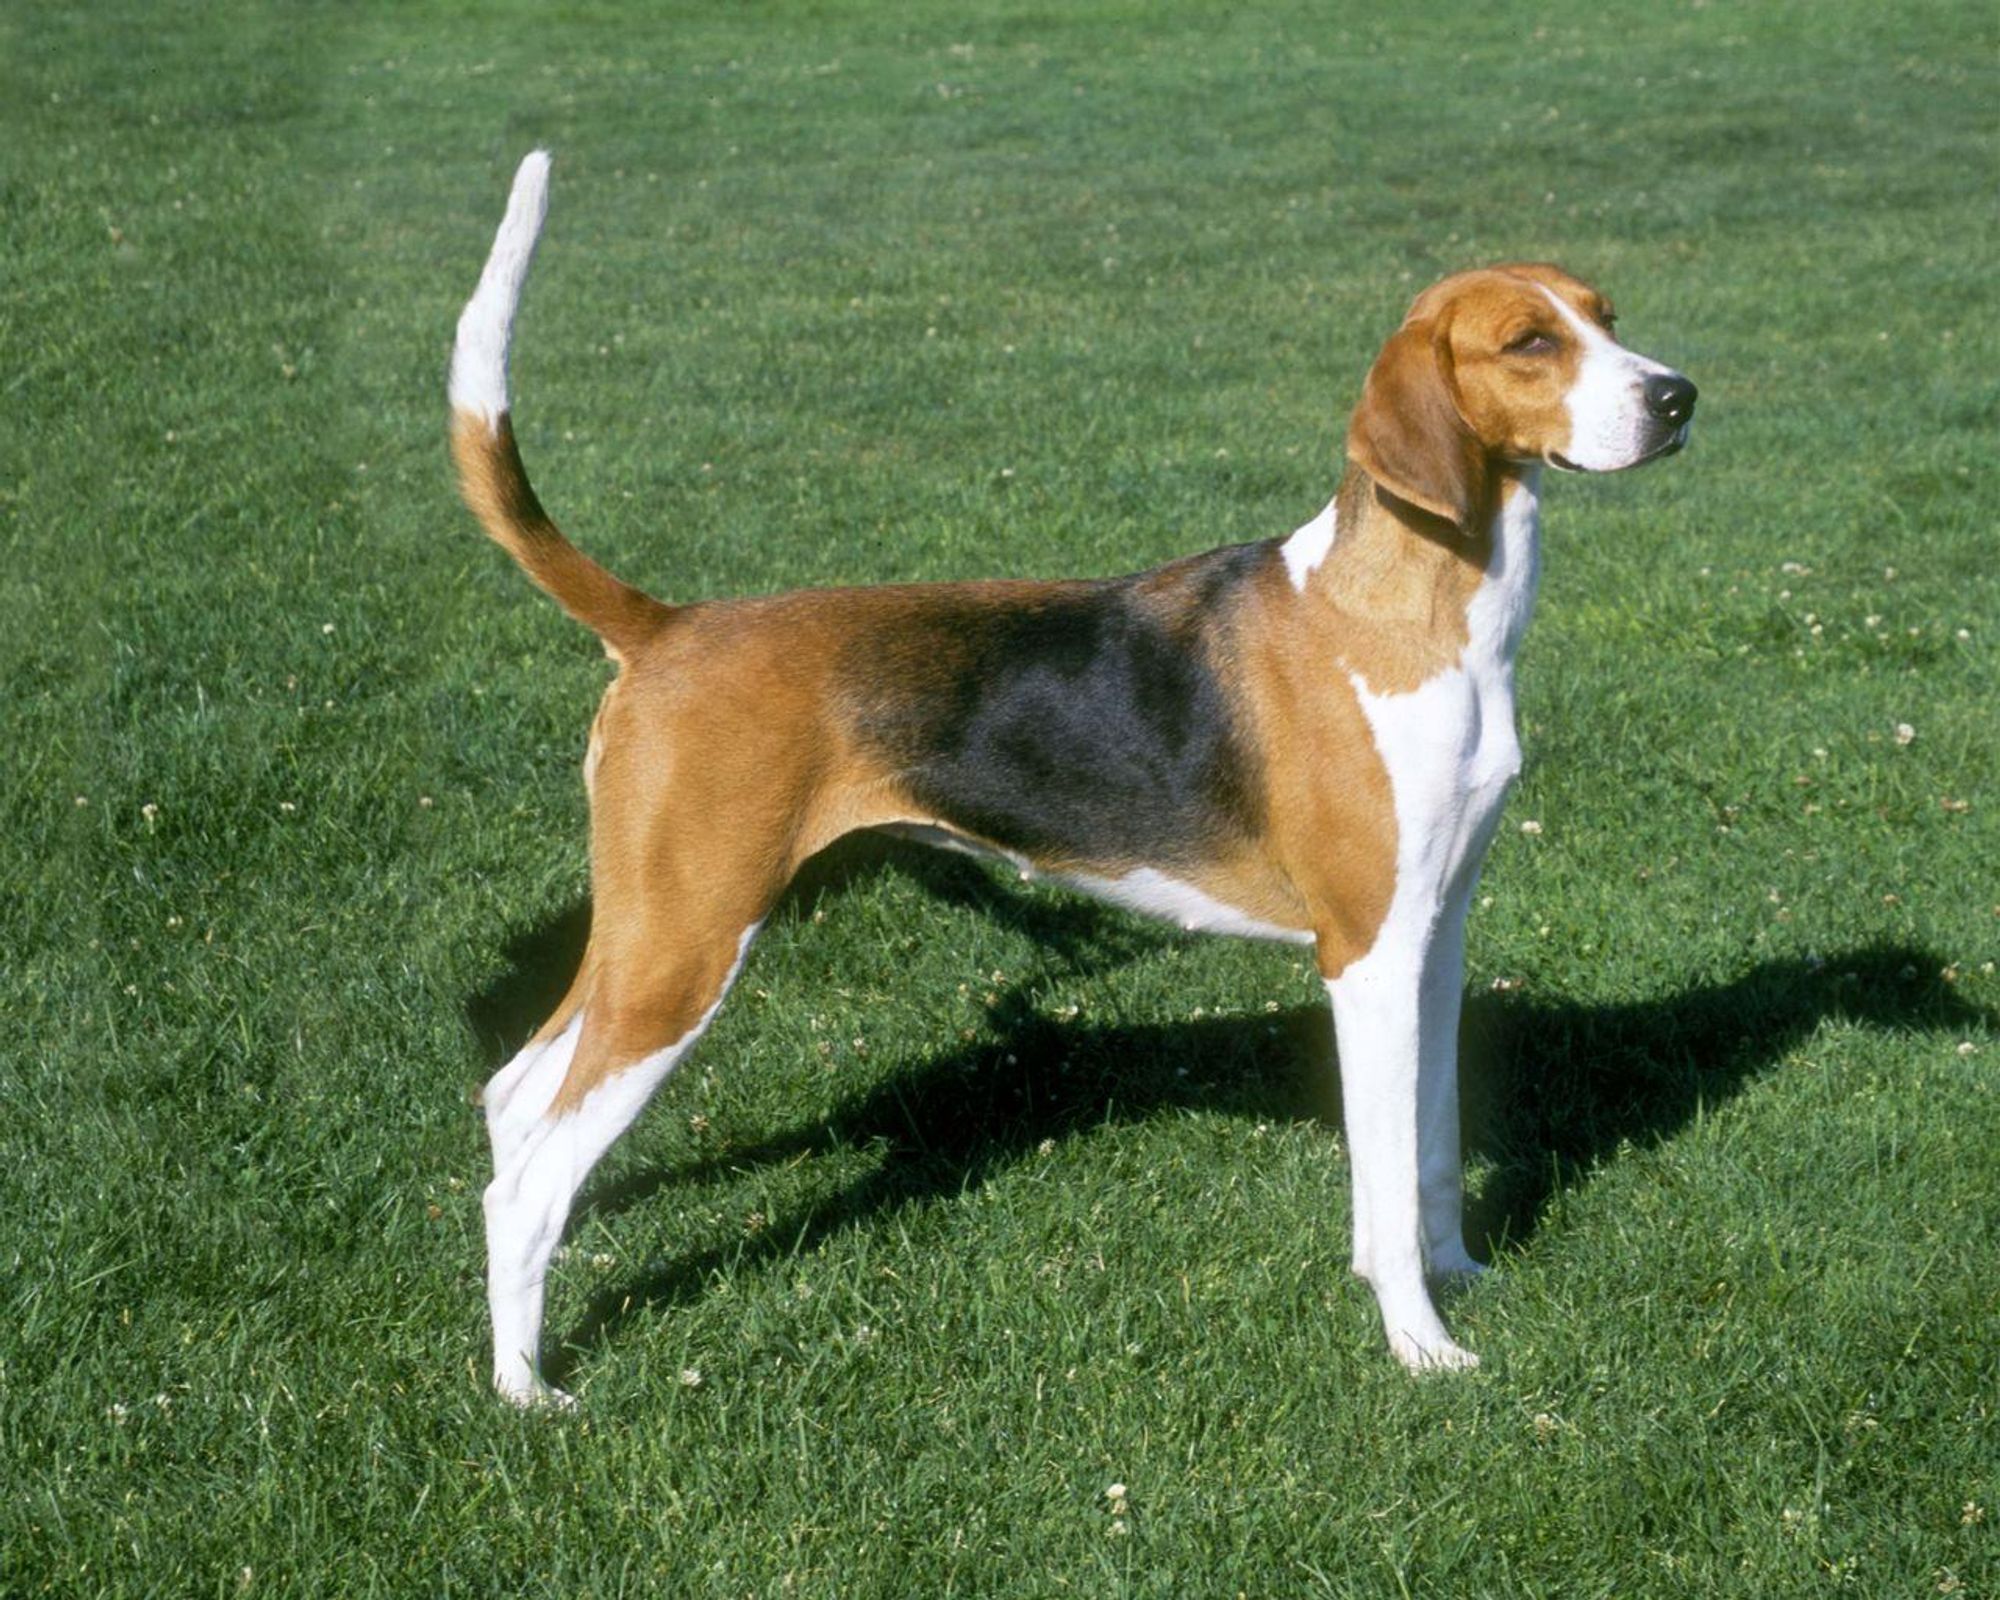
[{"x": 1673, "y": 444}]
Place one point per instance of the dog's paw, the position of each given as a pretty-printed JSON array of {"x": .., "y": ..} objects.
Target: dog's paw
[
  {"x": 534, "y": 1395},
  {"x": 1433, "y": 1355},
  {"x": 1456, "y": 1270}
]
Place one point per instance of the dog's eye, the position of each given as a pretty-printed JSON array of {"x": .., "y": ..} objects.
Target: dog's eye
[{"x": 1531, "y": 344}]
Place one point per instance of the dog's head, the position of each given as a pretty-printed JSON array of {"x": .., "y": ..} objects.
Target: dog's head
[{"x": 1509, "y": 364}]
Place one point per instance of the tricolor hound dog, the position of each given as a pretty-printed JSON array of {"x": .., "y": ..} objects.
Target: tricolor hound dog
[{"x": 1305, "y": 739}]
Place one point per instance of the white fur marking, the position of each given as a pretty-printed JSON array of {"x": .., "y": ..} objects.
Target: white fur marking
[
  {"x": 523, "y": 1090},
  {"x": 1157, "y": 895},
  {"x": 479, "y": 357},
  {"x": 1451, "y": 753},
  {"x": 1608, "y": 422},
  {"x": 1307, "y": 548},
  {"x": 539, "y": 1164},
  {"x": 1144, "y": 889},
  {"x": 939, "y": 837}
]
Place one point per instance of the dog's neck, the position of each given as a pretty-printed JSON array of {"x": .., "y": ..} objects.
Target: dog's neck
[{"x": 1403, "y": 582}]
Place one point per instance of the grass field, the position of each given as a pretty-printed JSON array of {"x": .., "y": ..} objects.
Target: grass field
[{"x": 977, "y": 1201}]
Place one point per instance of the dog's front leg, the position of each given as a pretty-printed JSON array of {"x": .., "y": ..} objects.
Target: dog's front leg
[
  {"x": 1440, "y": 1165},
  {"x": 1378, "y": 1022}
]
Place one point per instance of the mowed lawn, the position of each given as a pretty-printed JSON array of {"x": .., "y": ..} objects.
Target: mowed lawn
[{"x": 979, "y": 1201}]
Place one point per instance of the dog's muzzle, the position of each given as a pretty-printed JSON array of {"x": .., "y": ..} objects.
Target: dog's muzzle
[{"x": 1669, "y": 400}]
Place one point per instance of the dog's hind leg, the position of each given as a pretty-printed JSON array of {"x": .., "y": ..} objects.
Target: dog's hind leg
[
  {"x": 568, "y": 1105},
  {"x": 518, "y": 1094}
]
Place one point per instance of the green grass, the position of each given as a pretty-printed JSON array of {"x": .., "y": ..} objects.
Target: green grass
[{"x": 977, "y": 1201}]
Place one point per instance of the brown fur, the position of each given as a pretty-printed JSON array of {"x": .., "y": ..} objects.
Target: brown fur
[
  {"x": 495, "y": 485},
  {"x": 1329, "y": 855},
  {"x": 726, "y": 752}
]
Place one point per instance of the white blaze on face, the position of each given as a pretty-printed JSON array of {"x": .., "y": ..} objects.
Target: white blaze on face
[{"x": 1609, "y": 426}]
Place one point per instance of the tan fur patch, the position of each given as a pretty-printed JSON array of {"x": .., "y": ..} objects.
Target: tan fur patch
[
  {"x": 495, "y": 486},
  {"x": 1452, "y": 395},
  {"x": 1328, "y": 859},
  {"x": 725, "y": 754}
]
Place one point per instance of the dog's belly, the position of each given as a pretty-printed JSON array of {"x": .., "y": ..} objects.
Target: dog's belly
[
  {"x": 1159, "y": 894},
  {"x": 1146, "y": 890}
]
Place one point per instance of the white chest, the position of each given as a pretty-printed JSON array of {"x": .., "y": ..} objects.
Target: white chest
[{"x": 1450, "y": 745}]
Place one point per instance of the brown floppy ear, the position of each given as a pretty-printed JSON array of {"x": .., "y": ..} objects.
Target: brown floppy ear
[{"x": 1407, "y": 433}]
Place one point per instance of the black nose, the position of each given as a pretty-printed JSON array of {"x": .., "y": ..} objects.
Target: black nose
[{"x": 1670, "y": 397}]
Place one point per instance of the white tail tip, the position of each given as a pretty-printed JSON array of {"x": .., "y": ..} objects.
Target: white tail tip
[{"x": 479, "y": 358}]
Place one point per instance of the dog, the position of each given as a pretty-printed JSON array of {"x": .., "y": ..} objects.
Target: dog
[{"x": 1306, "y": 739}]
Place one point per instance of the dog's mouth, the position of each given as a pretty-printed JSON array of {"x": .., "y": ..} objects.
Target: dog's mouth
[{"x": 1671, "y": 445}]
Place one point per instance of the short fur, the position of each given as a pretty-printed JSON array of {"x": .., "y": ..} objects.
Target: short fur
[{"x": 1305, "y": 739}]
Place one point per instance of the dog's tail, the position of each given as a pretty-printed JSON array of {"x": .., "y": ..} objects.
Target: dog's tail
[{"x": 490, "y": 474}]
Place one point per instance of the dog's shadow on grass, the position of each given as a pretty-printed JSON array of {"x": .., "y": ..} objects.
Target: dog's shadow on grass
[{"x": 1548, "y": 1087}]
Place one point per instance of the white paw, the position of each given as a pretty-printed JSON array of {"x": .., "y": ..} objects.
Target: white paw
[
  {"x": 1431, "y": 1355},
  {"x": 532, "y": 1394}
]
